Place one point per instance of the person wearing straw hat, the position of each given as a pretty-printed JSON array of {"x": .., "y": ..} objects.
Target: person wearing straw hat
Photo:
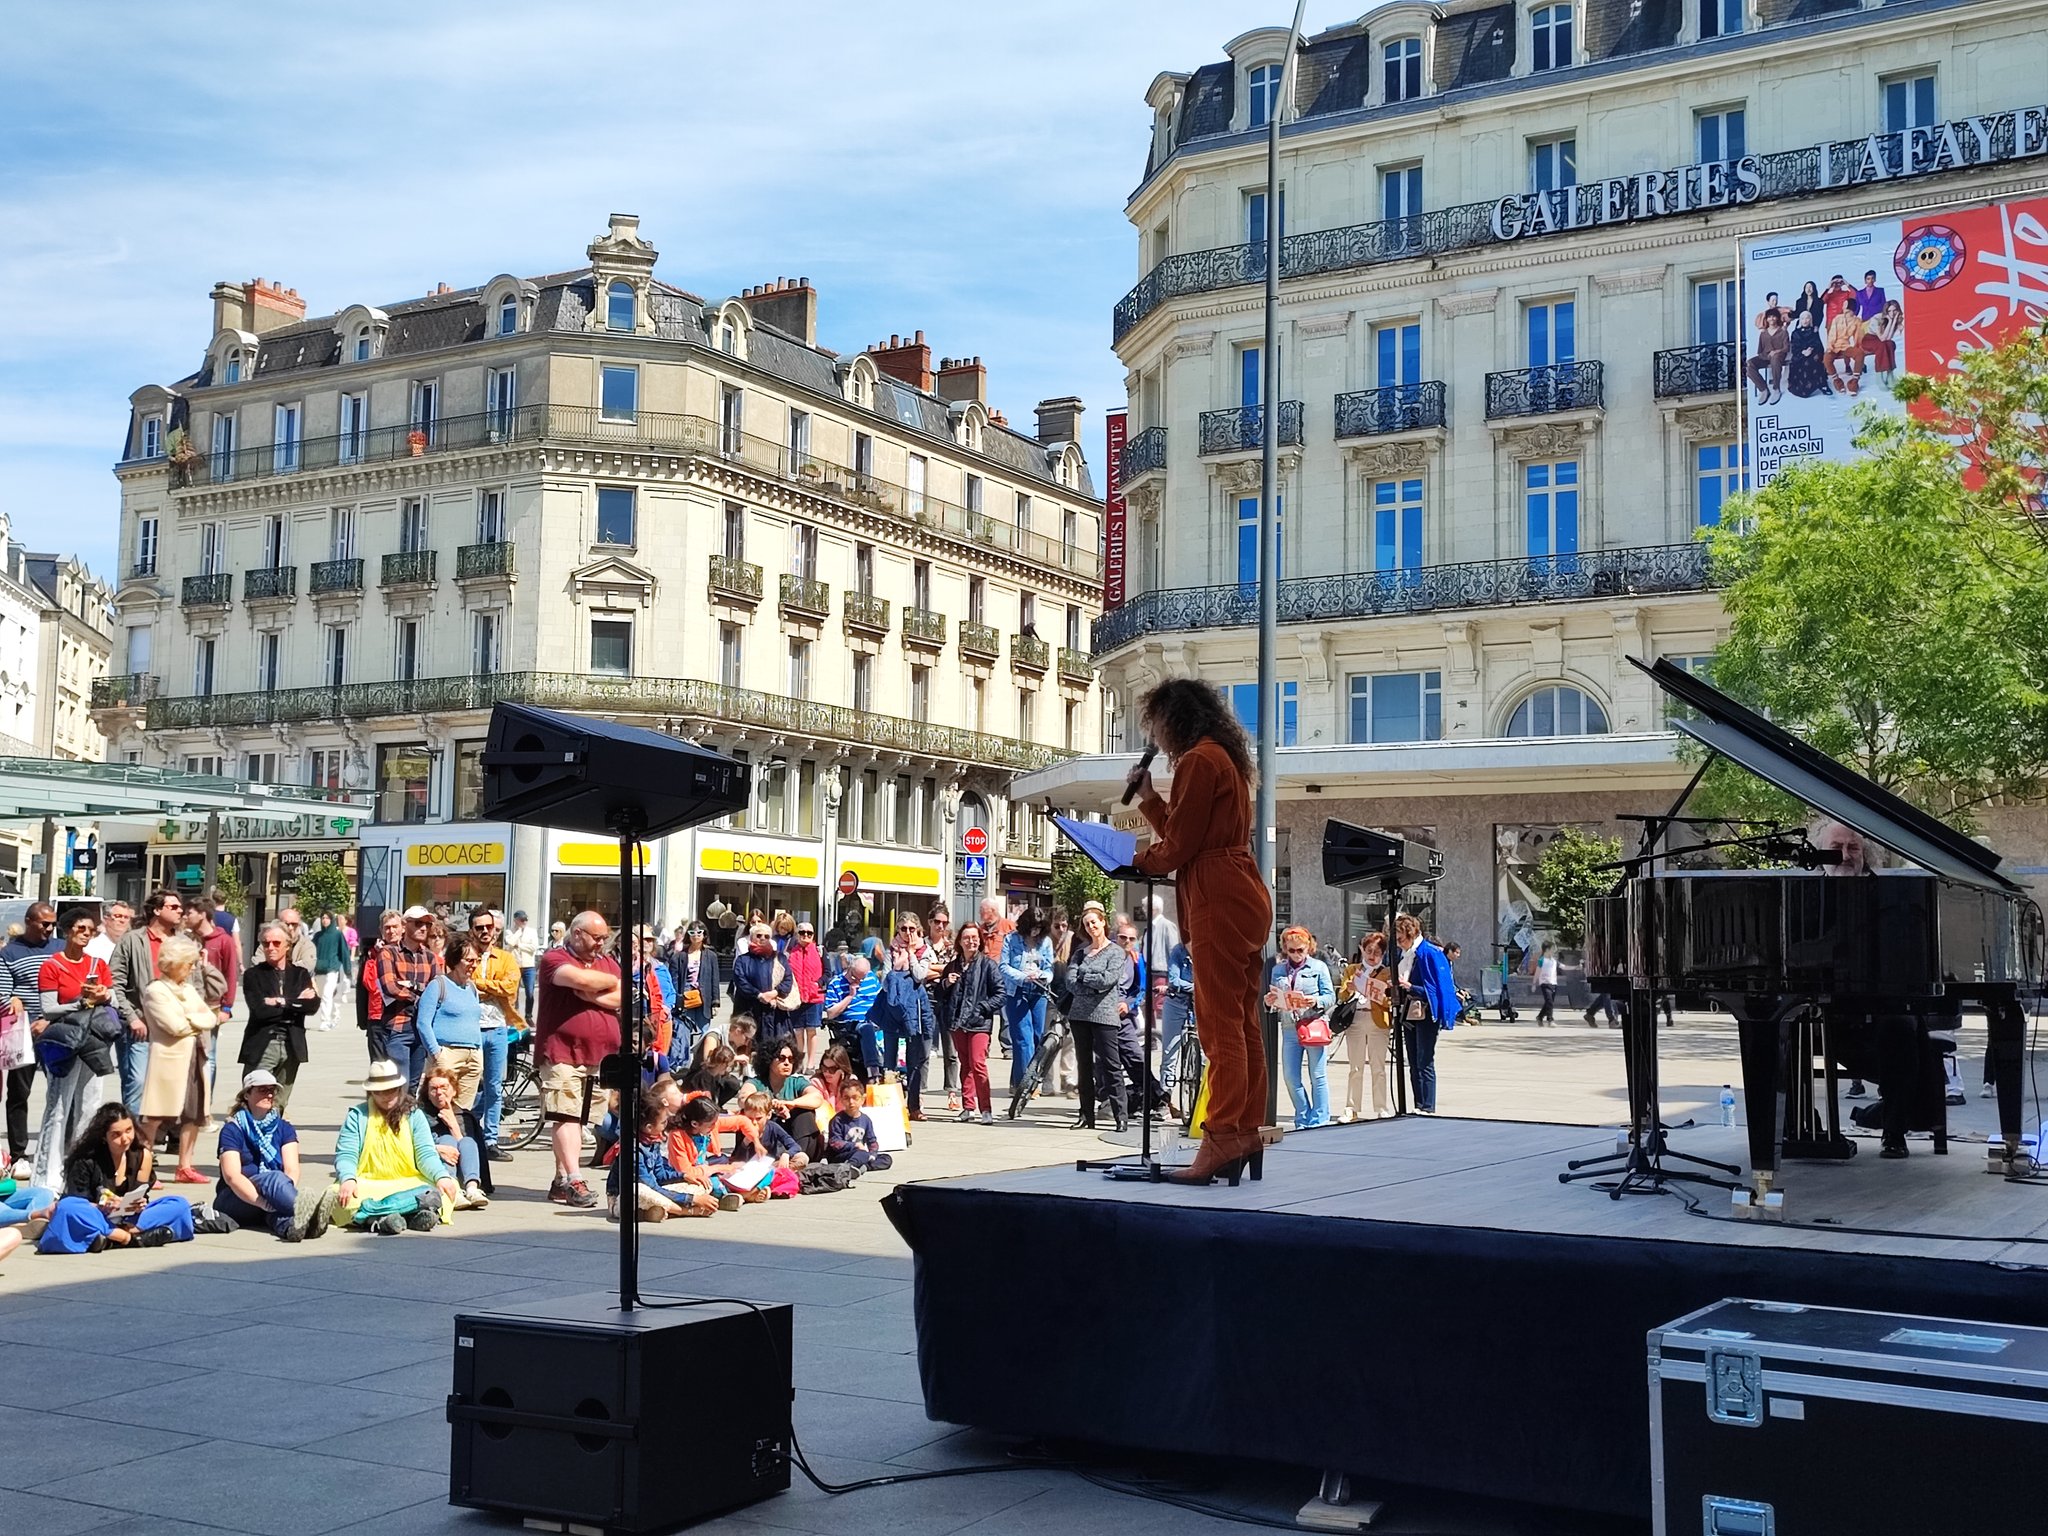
[{"x": 387, "y": 1174}]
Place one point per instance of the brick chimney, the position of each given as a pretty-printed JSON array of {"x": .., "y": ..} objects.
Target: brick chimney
[
  {"x": 910, "y": 361},
  {"x": 1059, "y": 421},
  {"x": 790, "y": 304},
  {"x": 269, "y": 306},
  {"x": 961, "y": 379}
]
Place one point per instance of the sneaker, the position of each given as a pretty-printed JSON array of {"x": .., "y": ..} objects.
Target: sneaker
[
  {"x": 497, "y": 1154},
  {"x": 473, "y": 1196},
  {"x": 964, "y": 1116},
  {"x": 206, "y": 1219},
  {"x": 987, "y": 1118},
  {"x": 558, "y": 1191},
  {"x": 22, "y": 1170},
  {"x": 388, "y": 1226},
  {"x": 1856, "y": 1090},
  {"x": 1988, "y": 1091},
  {"x": 419, "y": 1219},
  {"x": 321, "y": 1217},
  {"x": 730, "y": 1202},
  {"x": 579, "y": 1196}
]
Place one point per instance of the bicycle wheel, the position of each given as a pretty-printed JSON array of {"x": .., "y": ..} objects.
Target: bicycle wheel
[
  {"x": 1187, "y": 1073},
  {"x": 1034, "y": 1074},
  {"x": 519, "y": 1121}
]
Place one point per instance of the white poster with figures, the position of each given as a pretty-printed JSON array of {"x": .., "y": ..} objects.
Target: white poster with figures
[{"x": 1825, "y": 334}]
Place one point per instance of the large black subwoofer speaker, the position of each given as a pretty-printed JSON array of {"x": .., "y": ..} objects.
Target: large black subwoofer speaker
[
  {"x": 597, "y": 1417},
  {"x": 577, "y": 773}
]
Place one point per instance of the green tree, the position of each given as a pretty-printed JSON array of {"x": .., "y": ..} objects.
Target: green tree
[
  {"x": 323, "y": 887},
  {"x": 227, "y": 880},
  {"x": 1076, "y": 882},
  {"x": 70, "y": 885},
  {"x": 1992, "y": 410},
  {"x": 1568, "y": 873}
]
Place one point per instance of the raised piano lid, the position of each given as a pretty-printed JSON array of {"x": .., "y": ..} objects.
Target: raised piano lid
[{"x": 1782, "y": 759}]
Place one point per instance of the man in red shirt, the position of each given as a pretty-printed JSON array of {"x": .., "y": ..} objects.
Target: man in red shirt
[
  {"x": 221, "y": 952},
  {"x": 576, "y": 1025}
]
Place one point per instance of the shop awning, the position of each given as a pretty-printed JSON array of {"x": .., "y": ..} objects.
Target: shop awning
[{"x": 34, "y": 787}]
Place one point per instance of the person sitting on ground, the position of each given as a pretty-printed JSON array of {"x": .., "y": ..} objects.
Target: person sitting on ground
[
  {"x": 851, "y": 1137},
  {"x": 260, "y": 1183},
  {"x": 835, "y": 1070},
  {"x": 108, "y": 1176},
  {"x": 386, "y": 1167},
  {"x": 769, "y": 1134},
  {"x": 181, "y": 1025},
  {"x": 693, "y": 1146},
  {"x": 24, "y": 1212},
  {"x": 713, "y": 1071},
  {"x": 740, "y": 1037},
  {"x": 794, "y": 1100},
  {"x": 458, "y": 1137},
  {"x": 662, "y": 1188}
]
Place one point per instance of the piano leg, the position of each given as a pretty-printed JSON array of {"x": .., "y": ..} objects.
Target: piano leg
[
  {"x": 1813, "y": 1131},
  {"x": 2006, "y": 1021},
  {"x": 1760, "y": 1037}
]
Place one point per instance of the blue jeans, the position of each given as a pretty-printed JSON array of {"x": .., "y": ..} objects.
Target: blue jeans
[
  {"x": 410, "y": 1052},
  {"x": 915, "y": 1049},
  {"x": 490, "y": 1093},
  {"x": 1311, "y": 1102},
  {"x": 529, "y": 987},
  {"x": 25, "y": 1202},
  {"x": 1173, "y": 1018},
  {"x": 279, "y": 1194},
  {"x": 468, "y": 1161},
  {"x": 1025, "y": 1014},
  {"x": 1418, "y": 1037},
  {"x": 133, "y": 1060}
]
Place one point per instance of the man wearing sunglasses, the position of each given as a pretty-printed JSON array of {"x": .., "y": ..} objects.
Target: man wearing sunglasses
[{"x": 498, "y": 982}]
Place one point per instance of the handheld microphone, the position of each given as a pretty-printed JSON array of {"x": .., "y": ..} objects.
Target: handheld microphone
[{"x": 1144, "y": 761}]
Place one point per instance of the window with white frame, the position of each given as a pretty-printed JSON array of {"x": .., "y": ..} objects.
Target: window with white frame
[
  {"x": 1073, "y": 630},
  {"x": 1551, "y": 329},
  {"x": 224, "y": 446},
  {"x": 1558, "y": 710},
  {"x": 921, "y": 585},
  {"x": 152, "y": 437},
  {"x": 1400, "y": 192},
  {"x": 1720, "y": 134},
  {"x": 974, "y": 496},
  {"x": 1248, "y": 537},
  {"x": 620, "y": 311},
  {"x": 269, "y": 662},
  {"x": 206, "y": 763},
  {"x": 1025, "y": 700},
  {"x": 803, "y": 551},
  {"x": 1553, "y": 163},
  {"x": 284, "y": 438},
  {"x": 213, "y": 548},
  {"x": 1244, "y": 703},
  {"x": 326, "y": 768},
  {"x": 1908, "y": 101},
  {"x": 729, "y": 637},
  {"x": 1719, "y": 470},
  {"x": 484, "y": 631},
  {"x": 490, "y": 515},
  {"x": 618, "y": 392},
  {"x": 799, "y": 440},
  {"x": 1397, "y": 706},
  {"x": 341, "y": 533},
  {"x": 977, "y": 704},
  {"x": 864, "y": 569},
  {"x": 615, "y": 514},
  {"x": 1397, "y": 353},
  {"x": 501, "y": 398},
  {"x": 731, "y": 420},
  {"x": 412, "y": 525},
  {"x": 1397, "y": 525},
  {"x": 365, "y": 344},
  {"x": 425, "y": 415},
  {"x": 259, "y": 767},
  {"x": 145, "y": 547},
  {"x": 1255, "y": 216},
  {"x": 920, "y": 692},
  {"x": 354, "y": 429},
  {"x": 1262, "y": 95},
  {"x": 915, "y": 468},
  {"x": 334, "y": 655},
  {"x": 1401, "y": 68},
  {"x": 1073, "y": 713},
  {"x": 611, "y": 647},
  {"x": 1719, "y": 18},
  {"x": 204, "y": 651},
  {"x": 977, "y": 599},
  {"x": 799, "y": 669},
  {"x": 1550, "y": 38},
  {"x": 406, "y": 651},
  {"x": 1550, "y": 508},
  {"x": 735, "y": 531},
  {"x": 508, "y": 315},
  {"x": 141, "y": 641},
  {"x": 274, "y": 534},
  {"x": 1713, "y": 311},
  {"x": 1027, "y": 613},
  {"x": 863, "y": 458},
  {"x": 863, "y": 682},
  {"x": 728, "y": 338}
]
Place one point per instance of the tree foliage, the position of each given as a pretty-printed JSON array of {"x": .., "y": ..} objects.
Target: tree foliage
[
  {"x": 1076, "y": 882},
  {"x": 227, "y": 880},
  {"x": 1568, "y": 873},
  {"x": 323, "y": 887},
  {"x": 1992, "y": 408}
]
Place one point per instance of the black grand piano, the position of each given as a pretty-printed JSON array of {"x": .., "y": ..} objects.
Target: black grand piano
[{"x": 1814, "y": 963}]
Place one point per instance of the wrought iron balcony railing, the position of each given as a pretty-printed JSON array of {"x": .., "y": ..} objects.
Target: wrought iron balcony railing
[
  {"x": 1143, "y": 454},
  {"x": 864, "y": 610},
  {"x": 1075, "y": 666},
  {"x": 1030, "y": 653},
  {"x": 1786, "y": 174},
  {"x": 129, "y": 690},
  {"x": 1707, "y": 369},
  {"x": 408, "y": 568},
  {"x": 1599, "y": 573},
  {"x": 980, "y": 640},
  {"x": 481, "y": 562},
  {"x": 670, "y": 698},
  {"x": 735, "y": 578},
  {"x": 1391, "y": 408},
  {"x": 1542, "y": 391},
  {"x": 800, "y": 594},
  {"x": 215, "y": 591},
  {"x": 1244, "y": 427},
  {"x": 270, "y": 583},
  {"x": 921, "y": 626},
  {"x": 336, "y": 576}
]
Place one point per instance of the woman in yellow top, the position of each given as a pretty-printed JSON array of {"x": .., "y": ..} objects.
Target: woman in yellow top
[
  {"x": 388, "y": 1174},
  {"x": 1367, "y": 980},
  {"x": 181, "y": 1026}
]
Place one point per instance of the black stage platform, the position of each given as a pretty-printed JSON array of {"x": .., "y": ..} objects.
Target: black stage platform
[{"x": 1415, "y": 1300}]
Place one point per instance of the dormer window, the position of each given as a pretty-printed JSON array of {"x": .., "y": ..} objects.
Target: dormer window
[
  {"x": 152, "y": 437},
  {"x": 366, "y": 345},
  {"x": 1401, "y": 61},
  {"x": 231, "y": 368},
  {"x": 729, "y": 339},
  {"x": 1263, "y": 95},
  {"x": 619, "y": 307},
  {"x": 508, "y": 316},
  {"x": 1720, "y": 18},
  {"x": 1550, "y": 38}
]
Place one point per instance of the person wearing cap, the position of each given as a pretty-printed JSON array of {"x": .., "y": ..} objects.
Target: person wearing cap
[
  {"x": 388, "y": 1175},
  {"x": 404, "y": 971},
  {"x": 694, "y": 970},
  {"x": 281, "y": 997},
  {"x": 259, "y": 1163}
]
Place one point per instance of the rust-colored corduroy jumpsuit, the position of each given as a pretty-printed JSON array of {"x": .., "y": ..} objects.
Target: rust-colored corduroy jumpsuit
[{"x": 1226, "y": 913}]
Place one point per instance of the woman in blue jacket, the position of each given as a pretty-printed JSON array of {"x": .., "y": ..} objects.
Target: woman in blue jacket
[
  {"x": 1299, "y": 989},
  {"x": 1027, "y": 973},
  {"x": 1429, "y": 1003}
]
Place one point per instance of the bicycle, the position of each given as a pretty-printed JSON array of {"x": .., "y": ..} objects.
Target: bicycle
[
  {"x": 519, "y": 1112},
  {"x": 1188, "y": 1064},
  {"x": 1048, "y": 1051}
]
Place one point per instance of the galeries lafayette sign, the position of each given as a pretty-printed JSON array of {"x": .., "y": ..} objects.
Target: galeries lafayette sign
[{"x": 1990, "y": 139}]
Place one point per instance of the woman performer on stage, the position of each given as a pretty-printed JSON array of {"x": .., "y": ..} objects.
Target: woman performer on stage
[{"x": 1204, "y": 838}]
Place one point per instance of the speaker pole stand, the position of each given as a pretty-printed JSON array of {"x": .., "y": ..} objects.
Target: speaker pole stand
[{"x": 628, "y": 823}]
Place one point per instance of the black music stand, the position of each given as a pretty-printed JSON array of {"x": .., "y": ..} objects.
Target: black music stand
[{"x": 1115, "y": 853}]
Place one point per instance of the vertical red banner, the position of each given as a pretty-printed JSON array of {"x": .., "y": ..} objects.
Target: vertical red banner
[{"x": 1113, "y": 582}]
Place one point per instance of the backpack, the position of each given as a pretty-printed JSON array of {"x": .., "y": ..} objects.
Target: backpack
[{"x": 828, "y": 1178}]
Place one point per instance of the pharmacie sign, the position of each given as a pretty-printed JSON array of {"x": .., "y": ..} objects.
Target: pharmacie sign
[
  {"x": 1989, "y": 139},
  {"x": 259, "y": 829}
]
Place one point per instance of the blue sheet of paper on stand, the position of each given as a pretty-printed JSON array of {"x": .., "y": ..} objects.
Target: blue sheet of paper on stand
[{"x": 1109, "y": 850}]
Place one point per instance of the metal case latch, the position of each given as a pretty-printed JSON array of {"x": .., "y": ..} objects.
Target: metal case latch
[
  {"x": 1736, "y": 1517},
  {"x": 1735, "y": 1388}
]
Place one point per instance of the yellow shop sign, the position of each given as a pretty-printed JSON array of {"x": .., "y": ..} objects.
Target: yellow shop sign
[
  {"x": 454, "y": 855},
  {"x": 598, "y": 856},
  {"x": 762, "y": 866}
]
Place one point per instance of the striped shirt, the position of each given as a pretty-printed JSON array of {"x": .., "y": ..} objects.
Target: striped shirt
[{"x": 21, "y": 969}]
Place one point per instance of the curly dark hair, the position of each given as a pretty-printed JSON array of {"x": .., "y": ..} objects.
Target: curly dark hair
[
  {"x": 93, "y": 1138},
  {"x": 1182, "y": 711}
]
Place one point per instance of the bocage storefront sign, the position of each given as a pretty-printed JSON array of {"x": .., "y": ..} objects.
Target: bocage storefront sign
[
  {"x": 454, "y": 855},
  {"x": 762, "y": 866},
  {"x": 1990, "y": 139}
]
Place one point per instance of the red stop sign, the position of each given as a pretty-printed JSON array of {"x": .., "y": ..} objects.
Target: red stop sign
[
  {"x": 849, "y": 883},
  {"x": 975, "y": 840}
]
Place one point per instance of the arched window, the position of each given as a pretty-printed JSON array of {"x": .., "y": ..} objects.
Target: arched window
[
  {"x": 365, "y": 345},
  {"x": 1559, "y": 710},
  {"x": 618, "y": 307},
  {"x": 1550, "y": 36},
  {"x": 1402, "y": 58},
  {"x": 231, "y": 369},
  {"x": 1264, "y": 94},
  {"x": 508, "y": 315}
]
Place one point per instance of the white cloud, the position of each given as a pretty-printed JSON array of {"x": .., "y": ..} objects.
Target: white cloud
[{"x": 959, "y": 169}]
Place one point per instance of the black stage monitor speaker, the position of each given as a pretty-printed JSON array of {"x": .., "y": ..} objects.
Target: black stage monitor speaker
[
  {"x": 597, "y": 1417},
  {"x": 580, "y": 774},
  {"x": 1355, "y": 856}
]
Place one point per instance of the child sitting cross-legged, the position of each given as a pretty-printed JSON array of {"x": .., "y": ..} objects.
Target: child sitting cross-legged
[
  {"x": 851, "y": 1137},
  {"x": 662, "y": 1188},
  {"x": 771, "y": 1135},
  {"x": 694, "y": 1145}
]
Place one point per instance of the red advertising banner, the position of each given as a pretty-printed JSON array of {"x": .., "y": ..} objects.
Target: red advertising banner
[{"x": 1113, "y": 585}]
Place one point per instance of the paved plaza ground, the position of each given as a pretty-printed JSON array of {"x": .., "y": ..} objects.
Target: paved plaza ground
[{"x": 238, "y": 1384}]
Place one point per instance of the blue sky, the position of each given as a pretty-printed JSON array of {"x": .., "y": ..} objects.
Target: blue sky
[{"x": 955, "y": 169}]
